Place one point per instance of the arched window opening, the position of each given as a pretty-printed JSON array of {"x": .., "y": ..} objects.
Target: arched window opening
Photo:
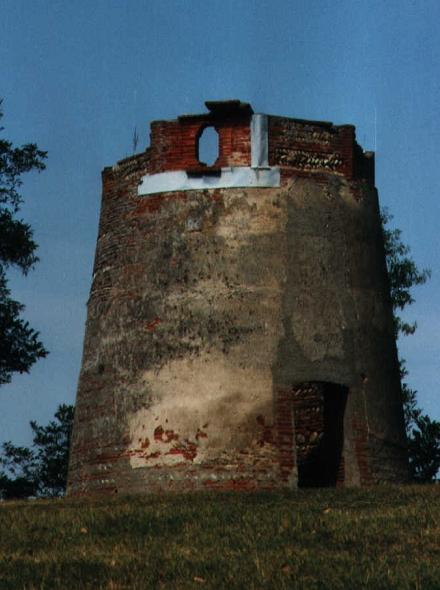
[{"x": 208, "y": 146}]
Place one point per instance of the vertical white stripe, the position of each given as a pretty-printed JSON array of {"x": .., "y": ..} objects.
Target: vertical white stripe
[{"x": 259, "y": 141}]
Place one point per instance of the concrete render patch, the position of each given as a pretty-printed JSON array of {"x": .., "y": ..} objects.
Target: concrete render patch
[
  {"x": 205, "y": 422},
  {"x": 259, "y": 141},
  {"x": 234, "y": 177}
]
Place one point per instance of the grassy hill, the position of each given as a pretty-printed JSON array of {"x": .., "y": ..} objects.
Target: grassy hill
[{"x": 356, "y": 539}]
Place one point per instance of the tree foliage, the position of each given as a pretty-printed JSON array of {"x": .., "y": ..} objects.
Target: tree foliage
[
  {"x": 20, "y": 346},
  {"x": 424, "y": 448},
  {"x": 423, "y": 434},
  {"x": 42, "y": 469},
  {"x": 403, "y": 273}
]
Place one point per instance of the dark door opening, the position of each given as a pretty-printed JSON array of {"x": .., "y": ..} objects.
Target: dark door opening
[{"x": 319, "y": 433}]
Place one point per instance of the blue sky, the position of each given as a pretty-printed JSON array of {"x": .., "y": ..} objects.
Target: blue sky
[{"x": 78, "y": 77}]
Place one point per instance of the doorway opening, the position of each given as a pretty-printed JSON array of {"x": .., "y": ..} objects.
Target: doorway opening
[{"x": 318, "y": 409}]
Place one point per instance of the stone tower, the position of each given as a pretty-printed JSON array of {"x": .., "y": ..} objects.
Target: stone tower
[{"x": 239, "y": 331}]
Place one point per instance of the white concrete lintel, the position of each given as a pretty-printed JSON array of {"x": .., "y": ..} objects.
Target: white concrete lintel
[{"x": 234, "y": 177}]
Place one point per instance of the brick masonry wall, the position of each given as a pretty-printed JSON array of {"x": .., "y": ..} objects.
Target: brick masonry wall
[
  {"x": 174, "y": 143},
  {"x": 310, "y": 147}
]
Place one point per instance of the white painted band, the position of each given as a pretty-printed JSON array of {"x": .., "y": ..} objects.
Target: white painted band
[{"x": 235, "y": 177}]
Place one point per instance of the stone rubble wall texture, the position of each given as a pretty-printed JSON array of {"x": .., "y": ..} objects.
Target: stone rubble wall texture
[{"x": 216, "y": 316}]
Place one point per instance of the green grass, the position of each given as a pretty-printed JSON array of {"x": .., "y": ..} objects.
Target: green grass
[{"x": 356, "y": 539}]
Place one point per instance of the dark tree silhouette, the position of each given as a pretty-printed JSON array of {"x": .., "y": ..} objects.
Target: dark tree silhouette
[
  {"x": 19, "y": 343},
  {"x": 41, "y": 470}
]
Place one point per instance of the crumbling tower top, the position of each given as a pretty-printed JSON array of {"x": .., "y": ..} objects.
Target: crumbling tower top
[{"x": 254, "y": 150}]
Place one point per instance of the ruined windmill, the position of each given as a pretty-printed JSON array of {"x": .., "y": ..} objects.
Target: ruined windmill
[{"x": 239, "y": 331}]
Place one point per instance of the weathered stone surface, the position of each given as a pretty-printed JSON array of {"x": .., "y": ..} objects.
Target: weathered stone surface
[{"x": 216, "y": 316}]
